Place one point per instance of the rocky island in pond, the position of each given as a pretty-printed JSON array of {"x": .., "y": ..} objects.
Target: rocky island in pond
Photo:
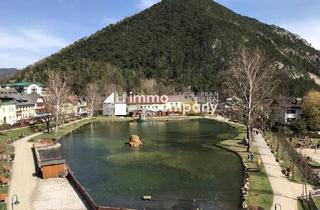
[{"x": 134, "y": 141}]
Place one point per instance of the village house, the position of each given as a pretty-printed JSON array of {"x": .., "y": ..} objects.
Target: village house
[
  {"x": 289, "y": 110},
  {"x": 82, "y": 107},
  {"x": 7, "y": 90},
  {"x": 40, "y": 106},
  {"x": 115, "y": 105},
  {"x": 70, "y": 108},
  {"x": 151, "y": 105},
  {"x": 26, "y": 87},
  {"x": 28, "y": 106},
  {"x": 7, "y": 110}
]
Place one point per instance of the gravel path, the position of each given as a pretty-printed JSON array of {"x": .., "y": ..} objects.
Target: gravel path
[
  {"x": 34, "y": 193},
  {"x": 61, "y": 197},
  {"x": 285, "y": 192},
  {"x": 23, "y": 181}
]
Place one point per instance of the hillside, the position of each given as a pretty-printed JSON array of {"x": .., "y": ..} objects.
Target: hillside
[
  {"x": 177, "y": 44},
  {"x": 6, "y": 73}
]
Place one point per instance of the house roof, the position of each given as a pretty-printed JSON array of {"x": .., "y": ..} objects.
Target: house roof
[
  {"x": 6, "y": 100},
  {"x": 24, "y": 99},
  {"x": 8, "y": 91},
  {"x": 49, "y": 155},
  {"x": 290, "y": 102},
  {"x": 23, "y": 84}
]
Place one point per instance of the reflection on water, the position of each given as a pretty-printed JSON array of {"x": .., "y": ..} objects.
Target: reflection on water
[{"x": 178, "y": 166}]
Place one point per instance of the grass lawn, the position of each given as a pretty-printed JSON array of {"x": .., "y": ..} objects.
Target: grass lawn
[
  {"x": 67, "y": 128},
  {"x": 260, "y": 191},
  {"x": 317, "y": 201},
  {"x": 14, "y": 134},
  {"x": 285, "y": 159}
]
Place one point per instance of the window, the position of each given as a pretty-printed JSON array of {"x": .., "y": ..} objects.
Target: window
[{"x": 291, "y": 111}]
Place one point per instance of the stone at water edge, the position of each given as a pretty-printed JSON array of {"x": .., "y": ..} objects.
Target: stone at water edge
[{"x": 134, "y": 141}]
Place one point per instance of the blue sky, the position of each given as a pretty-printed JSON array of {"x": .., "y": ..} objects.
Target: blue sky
[{"x": 33, "y": 29}]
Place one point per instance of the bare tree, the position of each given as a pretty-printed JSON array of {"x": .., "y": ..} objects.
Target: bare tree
[
  {"x": 251, "y": 80},
  {"x": 92, "y": 97},
  {"x": 58, "y": 93}
]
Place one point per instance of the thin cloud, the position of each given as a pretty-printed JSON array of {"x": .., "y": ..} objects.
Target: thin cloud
[
  {"x": 143, "y": 4},
  {"x": 21, "y": 47},
  {"x": 30, "y": 39}
]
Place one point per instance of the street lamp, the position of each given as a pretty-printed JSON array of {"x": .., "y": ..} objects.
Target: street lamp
[{"x": 14, "y": 200}]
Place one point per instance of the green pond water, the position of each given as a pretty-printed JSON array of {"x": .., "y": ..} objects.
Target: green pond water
[{"x": 179, "y": 165}]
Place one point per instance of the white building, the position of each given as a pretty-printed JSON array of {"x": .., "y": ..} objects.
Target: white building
[
  {"x": 115, "y": 105},
  {"x": 26, "y": 87},
  {"x": 28, "y": 106},
  {"x": 7, "y": 111},
  {"x": 290, "y": 111}
]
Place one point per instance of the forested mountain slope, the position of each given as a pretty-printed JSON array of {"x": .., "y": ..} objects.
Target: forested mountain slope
[{"x": 179, "y": 44}]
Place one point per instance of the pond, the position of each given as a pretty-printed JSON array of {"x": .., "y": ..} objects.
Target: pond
[{"x": 179, "y": 164}]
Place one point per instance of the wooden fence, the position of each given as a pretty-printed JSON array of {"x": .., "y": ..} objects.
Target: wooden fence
[{"x": 85, "y": 195}]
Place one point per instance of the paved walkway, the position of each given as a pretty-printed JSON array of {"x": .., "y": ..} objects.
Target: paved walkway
[
  {"x": 23, "y": 181},
  {"x": 61, "y": 197},
  {"x": 34, "y": 193},
  {"x": 285, "y": 192}
]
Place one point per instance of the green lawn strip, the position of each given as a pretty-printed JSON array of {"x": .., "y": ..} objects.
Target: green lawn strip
[
  {"x": 316, "y": 201},
  {"x": 260, "y": 191},
  {"x": 67, "y": 128},
  {"x": 303, "y": 205},
  {"x": 71, "y": 126},
  {"x": 105, "y": 118},
  {"x": 15, "y": 134},
  {"x": 285, "y": 160}
]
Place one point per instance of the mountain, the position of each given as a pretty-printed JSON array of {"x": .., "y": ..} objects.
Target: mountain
[
  {"x": 7, "y": 73},
  {"x": 178, "y": 45}
]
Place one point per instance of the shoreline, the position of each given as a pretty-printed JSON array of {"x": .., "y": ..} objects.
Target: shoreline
[
  {"x": 251, "y": 178},
  {"x": 87, "y": 197},
  {"x": 86, "y": 121}
]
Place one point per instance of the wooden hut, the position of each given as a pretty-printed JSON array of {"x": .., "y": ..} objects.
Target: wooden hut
[{"x": 50, "y": 163}]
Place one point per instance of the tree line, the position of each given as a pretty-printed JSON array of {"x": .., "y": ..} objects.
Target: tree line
[{"x": 59, "y": 94}]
